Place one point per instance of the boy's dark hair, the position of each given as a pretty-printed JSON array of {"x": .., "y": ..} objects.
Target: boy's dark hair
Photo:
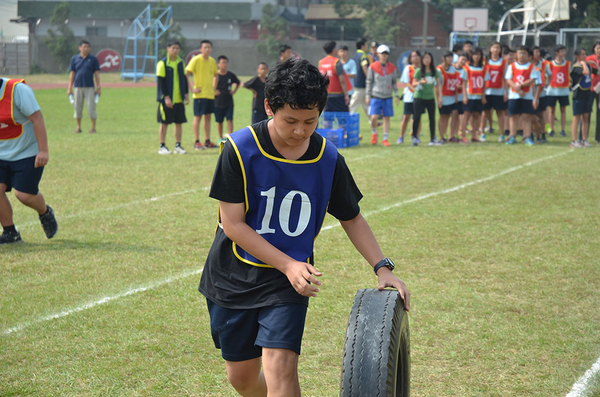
[
  {"x": 264, "y": 63},
  {"x": 594, "y": 46},
  {"x": 467, "y": 42},
  {"x": 542, "y": 51},
  {"x": 344, "y": 47},
  {"x": 448, "y": 54},
  {"x": 360, "y": 43},
  {"x": 524, "y": 48},
  {"x": 206, "y": 42},
  {"x": 549, "y": 58},
  {"x": 507, "y": 50},
  {"x": 173, "y": 42},
  {"x": 456, "y": 48},
  {"x": 82, "y": 42},
  {"x": 578, "y": 52},
  {"x": 283, "y": 48},
  {"x": 558, "y": 48},
  {"x": 297, "y": 83},
  {"x": 222, "y": 57},
  {"x": 329, "y": 46}
]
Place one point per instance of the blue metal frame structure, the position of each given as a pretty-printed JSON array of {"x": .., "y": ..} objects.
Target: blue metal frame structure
[{"x": 144, "y": 29}]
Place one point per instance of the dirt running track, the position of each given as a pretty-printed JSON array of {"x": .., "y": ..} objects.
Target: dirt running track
[{"x": 47, "y": 86}]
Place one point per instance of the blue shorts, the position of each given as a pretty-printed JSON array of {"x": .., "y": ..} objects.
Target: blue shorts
[
  {"x": 381, "y": 106},
  {"x": 474, "y": 106},
  {"x": 336, "y": 103},
  {"x": 408, "y": 108},
  {"x": 520, "y": 106},
  {"x": 562, "y": 100},
  {"x": 21, "y": 174},
  {"x": 495, "y": 102},
  {"x": 223, "y": 113},
  {"x": 448, "y": 109},
  {"x": 242, "y": 333},
  {"x": 583, "y": 105},
  {"x": 204, "y": 106},
  {"x": 460, "y": 106}
]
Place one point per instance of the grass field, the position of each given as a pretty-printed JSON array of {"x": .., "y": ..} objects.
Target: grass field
[{"x": 498, "y": 245}]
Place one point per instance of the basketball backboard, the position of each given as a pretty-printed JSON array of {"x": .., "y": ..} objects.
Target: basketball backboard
[
  {"x": 549, "y": 10},
  {"x": 470, "y": 20}
]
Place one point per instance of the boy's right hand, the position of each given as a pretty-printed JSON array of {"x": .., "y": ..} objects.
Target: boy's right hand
[{"x": 302, "y": 277}]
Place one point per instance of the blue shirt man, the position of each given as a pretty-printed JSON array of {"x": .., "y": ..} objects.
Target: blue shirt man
[{"x": 84, "y": 67}]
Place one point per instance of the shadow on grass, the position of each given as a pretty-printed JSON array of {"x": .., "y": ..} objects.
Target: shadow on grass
[{"x": 65, "y": 244}]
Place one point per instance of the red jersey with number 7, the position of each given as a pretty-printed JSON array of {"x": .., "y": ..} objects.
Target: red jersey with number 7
[{"x": 496, "y": 72}]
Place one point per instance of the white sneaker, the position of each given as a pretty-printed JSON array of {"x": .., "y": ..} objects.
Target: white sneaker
[
  {"x": 164, "y": 150},
  {"x": 180, "y": 150}
]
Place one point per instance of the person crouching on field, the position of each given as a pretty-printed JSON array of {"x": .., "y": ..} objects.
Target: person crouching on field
[
  {"x": 523, "y": 96},
  {"x": 23, "y": 155},
  {"x": 275, "y": 182},
  {"x": 172, "y": 93}
]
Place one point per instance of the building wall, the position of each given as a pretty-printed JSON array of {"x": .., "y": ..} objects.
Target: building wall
[{"x": 411, "y": 13}]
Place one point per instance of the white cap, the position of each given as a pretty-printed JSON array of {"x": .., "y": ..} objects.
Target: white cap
[{"x": 383, "y": 48}]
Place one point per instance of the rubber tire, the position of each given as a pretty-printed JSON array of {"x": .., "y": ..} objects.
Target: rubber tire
[{"x": 377, "y": 347}]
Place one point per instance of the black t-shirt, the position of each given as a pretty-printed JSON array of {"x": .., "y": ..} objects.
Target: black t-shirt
[
  {"x": 257, "y": 85},
  {"x": 224, "y": 100},
  {"x": 236, "y": 285},
  {"x": 583, "y": 84}
]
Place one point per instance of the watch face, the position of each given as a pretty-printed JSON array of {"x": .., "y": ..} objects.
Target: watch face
[{"x": 390, "y": 265}]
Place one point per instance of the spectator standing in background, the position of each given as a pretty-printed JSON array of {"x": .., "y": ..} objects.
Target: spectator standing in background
[{"x": 83, "y": 69}]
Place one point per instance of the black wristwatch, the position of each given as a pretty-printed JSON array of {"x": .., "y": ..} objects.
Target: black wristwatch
[{"x": 387, "y": 262}]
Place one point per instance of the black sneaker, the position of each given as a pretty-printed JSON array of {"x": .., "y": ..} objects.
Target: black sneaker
[
  {"x": 49, "y": 223},
  {"x": 10, "y": 237}
]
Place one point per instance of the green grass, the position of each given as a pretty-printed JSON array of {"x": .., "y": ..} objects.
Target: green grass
[{"x": 504, "y": 273}]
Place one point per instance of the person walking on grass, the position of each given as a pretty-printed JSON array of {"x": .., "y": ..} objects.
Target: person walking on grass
[
  {"x": 172, "y": 96},
  {"x": 203, "y": 68},
  {"x": 257, "y": 86},
  {"x": 583, "y": 100},
  {"x": 259, "y": 273},
  {"x": 23, "y": 155},
  {"x": 523, "y": 96},
  {"x": 84, "y": 68},
  {"x": 227, "y": 86},
  {"x": 406, "y": 82},
  {"x": 425, "y": 82},
  {"x": 560, "y": 88},
  {"x": 381, "y": 87}
]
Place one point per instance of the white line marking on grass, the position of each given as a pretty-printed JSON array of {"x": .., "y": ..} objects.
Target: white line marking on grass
[
  {"x": 107, "y": 299},
  {"x": 102, "y": 301},
  {"x": 118, "y": 206},
  {"x": 580, "y": 387},
  {"x": 455, "y": 188}
]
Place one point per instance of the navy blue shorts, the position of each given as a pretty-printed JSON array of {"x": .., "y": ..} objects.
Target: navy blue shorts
[
  {"x": 474, "y": 106},
  {"x": 409, "y": 108},
  {"x": 542, "y": 104},
  {"x": 520, "y": 106},
  {"x": 336, "y": 104},
  {"x": 562, "y": 100},
  {"x": 242, "y": 333},
  {"x": 583, "y": 105},
  {"x": 21, "y": 174},
  {"x": 204, "y": 106},
  {"x": 223, "y": 113},
  {"x": 460, "y": 106},
  {"x": 495, "y": 102},
  {"x": 448, "y": 109}
]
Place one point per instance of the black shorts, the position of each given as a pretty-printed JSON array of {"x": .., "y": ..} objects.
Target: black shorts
[
  {"x": 520, "y": 106},
  {"x": 562, "y": 100},
  {"x": 448, "y": 109},
  {"x": 242, "y": 333},
  {"x": 176, "y": 114},
  {"x": 583, "y": 105},
  {"x": 204, "y": 106},
  {"x": 21, "y": 174},
  {"x": 542, "y": 104},
  {"x": 460, "y": 106},
  {"x": 223, "y": 113},
  {"x": 408, "y": 108},
  {"x": 474, "y": 106},
  {"x": 336, "y": 104},
  {"x": 495, "y": 102}
]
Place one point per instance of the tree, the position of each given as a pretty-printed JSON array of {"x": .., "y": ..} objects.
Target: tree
[
  {"x": 274, "y": 29},
  {"x": 378, "y": 22},
  {"x": 61, "y": 42},
  {"x": 173, "y": 33}
]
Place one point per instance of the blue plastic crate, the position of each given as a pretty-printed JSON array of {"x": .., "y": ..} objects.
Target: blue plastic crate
[{"x": 341, "y": 128}]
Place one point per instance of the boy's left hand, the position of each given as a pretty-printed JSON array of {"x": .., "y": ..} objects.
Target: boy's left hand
[{"x": 388, "y": 279}]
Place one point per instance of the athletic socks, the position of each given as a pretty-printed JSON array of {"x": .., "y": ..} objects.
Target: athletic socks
[
  {"x": 373, "y": 131},
  {"x": 162, "y": 145},
  {"x": 177, "y": 144},
  {"x": 385, "y": 135},
  {"x": 10, "y": 229}
]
